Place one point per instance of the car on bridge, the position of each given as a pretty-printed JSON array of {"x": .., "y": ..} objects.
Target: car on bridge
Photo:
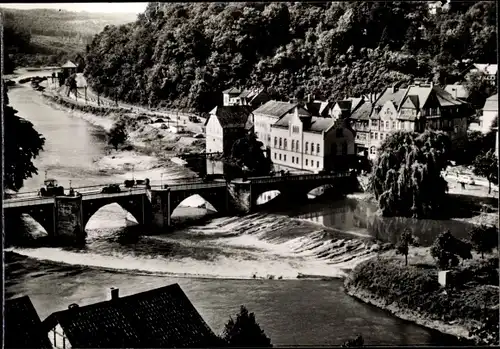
[
  {"x": 51, "y": 188},
  {"x": 111, "y": 189}
]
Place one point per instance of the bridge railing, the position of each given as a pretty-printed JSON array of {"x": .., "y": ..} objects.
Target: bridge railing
[
  {"x": 300, "y": 177},
  {"x": 132, "y": 191},
  {"x": 27, "y": 202},
  {"x": 200, "y": 185}
]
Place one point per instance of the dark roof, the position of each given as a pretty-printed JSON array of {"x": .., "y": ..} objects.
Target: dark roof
[
  {"x": 363, "y": 112},
  {"x": 275, "y": 108},
  {"x": 388, "y": 95},
  {"x": 160, "y": 318},
  {"x": 316, "y": 124},
  {"x": 23, "y": 328},
  {"x": 232, "y": 116}
]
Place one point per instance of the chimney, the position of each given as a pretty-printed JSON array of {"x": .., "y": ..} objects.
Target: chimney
[{"x": 115, "y": 293}]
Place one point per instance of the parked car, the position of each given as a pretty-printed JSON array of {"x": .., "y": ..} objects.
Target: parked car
[
  {"x": 110, "y": 189},
  {"x": 194, "y": 119}
]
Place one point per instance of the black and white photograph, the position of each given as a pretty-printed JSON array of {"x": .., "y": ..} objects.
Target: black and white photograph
[{"x": 250, "y": 174}]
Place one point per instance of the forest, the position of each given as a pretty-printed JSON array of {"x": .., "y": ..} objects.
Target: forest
[
  {"x": 49, "y": 37},
  {"x": 184, "y": 55}
]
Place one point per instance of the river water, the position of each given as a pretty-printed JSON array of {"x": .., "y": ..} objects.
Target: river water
[{"x": 220, "y": 264}]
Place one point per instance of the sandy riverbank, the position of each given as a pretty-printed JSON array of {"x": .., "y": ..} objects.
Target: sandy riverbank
[{"x": 148, "y": 145}]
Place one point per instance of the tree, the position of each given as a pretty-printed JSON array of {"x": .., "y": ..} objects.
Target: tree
[
  {"x": 405, "y": 241},
  {"x": 247, "y": 151},
  {"x": 356, "y": 342},
  {"x": 486, "y": 165},
  {"x": 484, "y": 238},
  {"x": 406, "y": 179},
  {"x": 22, "y": 144},
  {"x": 245, "y": 331},
  {"x": 446, "y": 249},
  {"x": 117, "y": 135}
]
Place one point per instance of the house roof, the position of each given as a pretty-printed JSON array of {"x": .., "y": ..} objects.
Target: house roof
[
  {"x": 363, "y": 112},
  {"x": 275, "y": 108},
  {"x": 411, "y": 101},
  {"x": 23, "y": 328},
  {"x": 457, "y": 90},
  {"x": 355, "y": 102},
  {"x": 232, "y": 90},
  {"x": 69, "y": 64},
  {"x": 317, "y": 124},
  {"x": 491, "y": 103},
  {"x": 319, "y": 108},
  {"x": 446, "y": 99},
  {"x": 160, "y": 318},
  {"x": 231, "y": 116},
  {"x": 345, "y": 105},
  {"x": 388, "y": 95}
]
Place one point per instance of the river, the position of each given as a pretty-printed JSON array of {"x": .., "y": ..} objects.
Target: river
[{"x": 220, "y": 264}]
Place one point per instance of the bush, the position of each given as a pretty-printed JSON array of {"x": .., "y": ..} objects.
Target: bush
[{"x": 245, "y": 331}]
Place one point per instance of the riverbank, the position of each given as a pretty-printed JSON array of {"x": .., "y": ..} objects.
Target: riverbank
[
  {"x": 413, "y": 293},
  {"x": 149, "y": 144}
]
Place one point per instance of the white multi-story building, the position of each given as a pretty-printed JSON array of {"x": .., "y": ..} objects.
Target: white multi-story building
[
  {"x": 270, "y": 112},
  {"x": 225, "y": 125},
  {"x": 303, "y": 142}
]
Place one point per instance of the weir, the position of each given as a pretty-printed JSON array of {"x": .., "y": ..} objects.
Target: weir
[{"x": 64, "y": 217}]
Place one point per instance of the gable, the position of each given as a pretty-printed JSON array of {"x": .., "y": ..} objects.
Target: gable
[
  {"x": 388, "y": 111},
  {"x": 212, "y": 122}
]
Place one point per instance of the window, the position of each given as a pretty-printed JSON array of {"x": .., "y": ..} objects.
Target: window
[
  {"x": 456, "y": 129},
  {"x": 372, "y": 150},
  {"x": 307, "y": 144},
  {"x": 339, "y": 132},
  {"x": 293, "y": 145},
  {"x": 295, "y": 129},
  {"x": 317, "y": 164},
  {"x": 284, "y": 141},
  {"x": 274, "y": 156},
  {"x": 280, "y": 157},
  {"x": 269, "y": 139},
  {"x": 293, "y": 159},
  {"x": 275, "y": 142},
  {"x": 312, "y": 148},
  {"x": 372, "y": 135},
  {"x": 284, "y": 157},
  {"x": 394, "y": 124},
  {"x": 317, "y": 148},
  {"x": 387, "y": 124},
  {"x": 376, "y": 135},
  {"x": 297, "y": 146},
  {"x": 280, "y": 142},
  {"x": 307, "y": 162}
]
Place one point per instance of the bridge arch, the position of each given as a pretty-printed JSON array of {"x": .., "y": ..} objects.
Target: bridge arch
[
  {"x": 215, "y": 197},
  {"x": 193, "y": 201},
  {"x": 112, "y": 211},
  {"x": 267, "y": 197},
  {"x": 319, "y": 191},
  {"x": 133, "y": 205}
]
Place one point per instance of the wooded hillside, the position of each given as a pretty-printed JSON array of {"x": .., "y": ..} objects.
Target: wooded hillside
[
  {"x": 43, "y": 36},
  {"x": 184, "y": 55}
]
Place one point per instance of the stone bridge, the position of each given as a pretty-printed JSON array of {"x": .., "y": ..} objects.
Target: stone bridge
[{"x": 65, "y": 217}]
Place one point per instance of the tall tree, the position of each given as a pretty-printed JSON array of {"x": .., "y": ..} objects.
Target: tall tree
[
  {"x": 446, "y": 250},
  {"x": 22, "y": 144},
  {"x": 406, "y": 179},
  {"x": 247, "y": 151},
  {"x": 245, "y": 331},
  {"x": 117, "y": 135}
]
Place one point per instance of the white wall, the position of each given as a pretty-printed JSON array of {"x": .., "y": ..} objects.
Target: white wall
[{"x": 214, "y": 136}]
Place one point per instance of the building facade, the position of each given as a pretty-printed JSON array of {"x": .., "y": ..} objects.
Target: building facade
[
  {"x": 416, "y": 108},
  {"x": 306, "y": 143},
  {"x": 225, "y": 125},
  {"x": 268, "y": 114}
]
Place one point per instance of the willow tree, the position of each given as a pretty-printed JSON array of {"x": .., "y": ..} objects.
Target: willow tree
[{"x": 406, "y": 179}]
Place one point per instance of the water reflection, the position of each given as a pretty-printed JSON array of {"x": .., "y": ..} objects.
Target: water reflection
[{"x": 359, "y": 217}]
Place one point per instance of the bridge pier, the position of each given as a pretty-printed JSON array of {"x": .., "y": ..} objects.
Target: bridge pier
[{"x": 68, "y": 219}]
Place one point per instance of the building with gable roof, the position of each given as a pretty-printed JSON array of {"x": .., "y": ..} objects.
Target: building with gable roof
[
  {"x": 267, "y": 114},
  {"x": 225, "y": 125},
  {"x": 23, "y": 328},
  {"x": 419, "y": 107},
  {"x": 490, "y": 70},
  {"x": 251, "y": 97},
  {"x": 308, "y": 143},
  {"x": 159, "y": 318},
  {"x": 344, "y": 108}
]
